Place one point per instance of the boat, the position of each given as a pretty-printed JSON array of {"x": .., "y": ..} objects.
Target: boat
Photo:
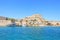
[{"x": 12, "y": 25}]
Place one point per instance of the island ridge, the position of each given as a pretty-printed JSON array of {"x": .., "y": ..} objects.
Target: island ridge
[{"x": 34, "y": 20}]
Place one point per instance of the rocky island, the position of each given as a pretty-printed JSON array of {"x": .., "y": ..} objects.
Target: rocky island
[{"x": 34, "y": 20}]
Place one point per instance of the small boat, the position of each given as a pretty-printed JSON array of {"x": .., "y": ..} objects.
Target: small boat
[
  {"x": 12, "y": 25},
  {"x": 23, "y": 25}
]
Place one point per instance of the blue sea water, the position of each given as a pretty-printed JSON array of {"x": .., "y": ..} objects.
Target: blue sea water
[{"x": 30, "y": 33}]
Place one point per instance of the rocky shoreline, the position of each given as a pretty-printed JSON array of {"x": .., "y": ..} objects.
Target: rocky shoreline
[{"x": 34, "y": 20}]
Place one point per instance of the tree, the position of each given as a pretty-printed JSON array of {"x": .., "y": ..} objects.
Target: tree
[
  {"x": 48, "y": 23},
  {"x": 13, "y": 20},
  {"x": 57, "y": 23}
]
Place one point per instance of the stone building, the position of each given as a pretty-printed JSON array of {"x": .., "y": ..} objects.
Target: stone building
[{"x": 2, "y": 18}]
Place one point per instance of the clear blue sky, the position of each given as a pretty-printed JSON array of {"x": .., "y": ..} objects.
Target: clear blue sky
[{"x": 49, "y": 9}]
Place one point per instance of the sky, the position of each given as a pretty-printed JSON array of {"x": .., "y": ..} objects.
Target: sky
[{"x": 49, "y": 9}]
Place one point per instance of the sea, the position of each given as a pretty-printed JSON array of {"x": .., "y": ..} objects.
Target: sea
[{"x": 30, "y": 33}]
